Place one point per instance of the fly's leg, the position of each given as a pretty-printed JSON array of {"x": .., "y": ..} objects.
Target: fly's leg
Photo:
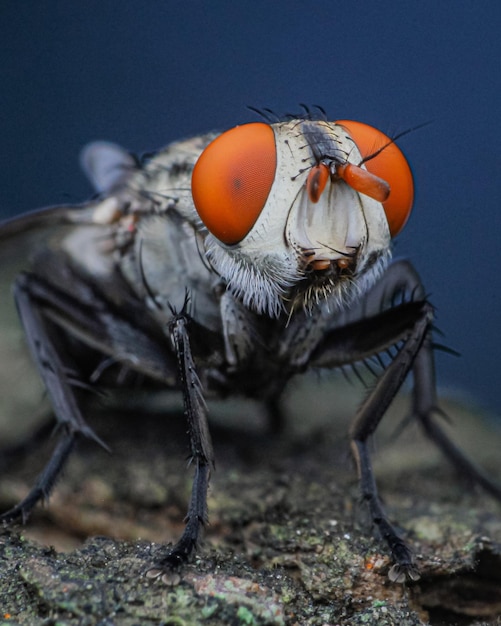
[
  {"x": 368, "y": 330},
  {"x": 425, "y": 409},
  {"x": 53, "y": 370},
  {"x": 407, "y": 324},
  {"x": 45, "y": 312},
  {"x": 42, "y": 310},
  {"x": 402, "y": 277},
  {"x": 45, "y": 482},
  {"x": 364, "y": 425},
  {"x": 201, "y": 447}
]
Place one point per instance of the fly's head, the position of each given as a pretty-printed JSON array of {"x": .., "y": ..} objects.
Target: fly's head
[{"x": 301, "y": 212}]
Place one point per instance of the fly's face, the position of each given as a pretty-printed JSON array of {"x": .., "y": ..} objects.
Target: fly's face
[{"x": 302, "y": 211}]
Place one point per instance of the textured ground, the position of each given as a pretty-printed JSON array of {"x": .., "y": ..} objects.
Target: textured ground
[{"x": 288, "y": 541}]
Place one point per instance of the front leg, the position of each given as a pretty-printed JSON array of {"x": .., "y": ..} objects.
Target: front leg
[
  {"x": 368, "y": 417},
  {"x": 370, "y": 330},
  {"x": 201, "y": 447},
  {"x": 401, "y": 277}
]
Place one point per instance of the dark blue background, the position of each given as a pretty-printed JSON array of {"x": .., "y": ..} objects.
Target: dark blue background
[{"x": 145, "y": 72}]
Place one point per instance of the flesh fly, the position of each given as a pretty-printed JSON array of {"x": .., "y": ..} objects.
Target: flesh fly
[{"x": 225, "y": 265}]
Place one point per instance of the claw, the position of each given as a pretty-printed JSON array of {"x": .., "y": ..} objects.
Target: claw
[
  {"x": 400, "y": 573},
  {"x": 169, "y": 578}
]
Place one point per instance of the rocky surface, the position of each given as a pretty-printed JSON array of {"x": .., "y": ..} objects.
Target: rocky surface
[{"x": 288, "y": 540}]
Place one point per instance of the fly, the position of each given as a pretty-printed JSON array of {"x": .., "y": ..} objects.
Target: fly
[{"x": 226, "y": 264}]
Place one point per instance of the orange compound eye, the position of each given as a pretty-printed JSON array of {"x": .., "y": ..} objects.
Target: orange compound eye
[
  {"x": 232, "y": 179},
  {"x": 390, "y": 165}
]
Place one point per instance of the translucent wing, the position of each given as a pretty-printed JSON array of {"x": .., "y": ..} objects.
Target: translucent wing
[{"x": 22, "y": 397}]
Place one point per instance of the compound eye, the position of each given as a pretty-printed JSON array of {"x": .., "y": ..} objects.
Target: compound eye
[
  {"x": 390, "y": 165},
  {"x": 232, "y": 179}
]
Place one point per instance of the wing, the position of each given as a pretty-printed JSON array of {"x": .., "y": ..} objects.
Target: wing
[{"x": 22, "y": 397}]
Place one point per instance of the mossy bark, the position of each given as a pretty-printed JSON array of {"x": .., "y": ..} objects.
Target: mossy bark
[{"x": 288, "y": 540}]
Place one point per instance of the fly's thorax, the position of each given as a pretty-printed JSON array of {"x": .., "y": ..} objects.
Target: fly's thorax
[
  {"x": 164, "y": 180},
  {"x": 301, "y": 252},
  {"x": 166, "y": 265},
  {"x": 147, "y": 230}
]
